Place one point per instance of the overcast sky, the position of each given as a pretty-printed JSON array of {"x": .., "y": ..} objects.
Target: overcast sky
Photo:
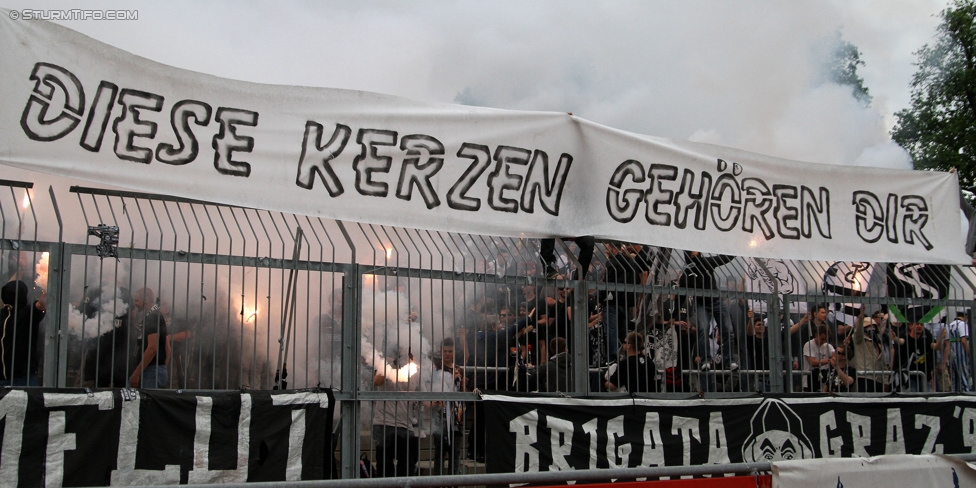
[{"x": 745, "y": 74}]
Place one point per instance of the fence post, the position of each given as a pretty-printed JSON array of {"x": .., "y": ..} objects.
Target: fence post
[
  {"x": 55, "y": 363},
  {"x": 351, "y": 352},
  {"x": 776, "y": 351},
  {"x": 580, "y": 346},
  {"x": 352, "y": 286}
]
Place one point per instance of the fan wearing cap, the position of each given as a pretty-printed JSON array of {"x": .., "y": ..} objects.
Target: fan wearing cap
[
  {"x": 20, "y": 320},
  {"x": 868, "y": 346}
]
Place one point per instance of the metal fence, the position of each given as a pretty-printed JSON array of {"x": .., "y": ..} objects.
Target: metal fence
[{"x": 408, "y": 326}]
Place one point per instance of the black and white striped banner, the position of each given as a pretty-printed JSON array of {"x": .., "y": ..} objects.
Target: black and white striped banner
[{"x": 154, "y": 437}]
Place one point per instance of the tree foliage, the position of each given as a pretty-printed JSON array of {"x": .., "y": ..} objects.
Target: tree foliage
[
  {"x": 842, "y": 69},
  {"x": 939, "y": 130}
]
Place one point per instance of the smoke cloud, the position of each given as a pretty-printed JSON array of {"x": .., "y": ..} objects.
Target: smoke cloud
[{"x": 743, "y": 74}]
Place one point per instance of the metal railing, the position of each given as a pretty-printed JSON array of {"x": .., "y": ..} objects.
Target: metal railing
[{"x": 255, "y": 299}]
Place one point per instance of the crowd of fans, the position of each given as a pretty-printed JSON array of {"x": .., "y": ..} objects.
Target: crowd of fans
[{"x": 697, "y": 338}]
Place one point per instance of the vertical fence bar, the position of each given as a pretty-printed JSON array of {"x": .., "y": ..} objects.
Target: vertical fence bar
[{"x": 350, "y": 408}]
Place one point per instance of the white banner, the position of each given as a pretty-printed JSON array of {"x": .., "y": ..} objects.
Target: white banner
[
  {"x": 870, "y": 472},
  {"x": 72, "y": 106}
]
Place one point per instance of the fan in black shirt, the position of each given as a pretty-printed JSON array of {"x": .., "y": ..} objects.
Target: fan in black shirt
[{"x": 635, "y": 371}]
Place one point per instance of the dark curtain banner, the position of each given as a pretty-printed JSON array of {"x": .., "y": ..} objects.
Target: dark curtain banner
[
  {"x": 912, "y": 280},
  {"x": 535, "y": 434},
  {"x": 89, "y": 438}
]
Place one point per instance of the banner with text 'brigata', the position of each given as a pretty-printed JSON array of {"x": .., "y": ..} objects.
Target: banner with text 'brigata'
[
  {"x": 127, "y": 437},
  {"x": 76, "y": 107},
  {"x": 549, "y": 434}
]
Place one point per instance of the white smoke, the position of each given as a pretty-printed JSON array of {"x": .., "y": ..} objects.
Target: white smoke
[
  {"x": 744, "y": 71},
  {"x": 392, "y": 344},
  {"x": 40, "y": 270},
  {"x": 103, "y": 305}
]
